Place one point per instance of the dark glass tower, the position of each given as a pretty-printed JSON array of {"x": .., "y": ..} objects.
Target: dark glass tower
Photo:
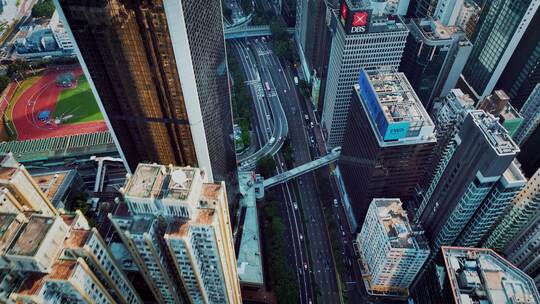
[
  {"x": 497, "y": 35},
  {"x": 523, "y": 70},
  {"x": 433, "y": 58},
  {"x": 160, "y": 72},
  {"x": 388, "y": 142}
]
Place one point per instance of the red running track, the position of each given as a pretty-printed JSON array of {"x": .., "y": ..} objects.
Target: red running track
[{"x": 43, "y": 96}]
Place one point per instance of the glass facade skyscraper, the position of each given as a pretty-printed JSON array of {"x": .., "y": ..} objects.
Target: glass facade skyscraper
[
  {"x": 159, "y": 69},
  {"x": 498, "y": 32}
]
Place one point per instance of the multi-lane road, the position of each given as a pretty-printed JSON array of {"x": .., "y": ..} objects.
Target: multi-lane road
[{"x": 309, "y": 246}]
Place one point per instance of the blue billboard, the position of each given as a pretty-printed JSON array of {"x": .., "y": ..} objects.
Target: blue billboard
[{"x": 396, "y": 130}]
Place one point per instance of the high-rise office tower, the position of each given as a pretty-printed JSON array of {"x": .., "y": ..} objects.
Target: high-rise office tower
[
  {"x": 445, "y": 11},
  {"x": 392, "y": 252},
  {"x": 522, "y": 72},
  {"x": 389, "y": 140},
  {"x": 497, "y": 34},
  {"x": 449, "y": 114},
  {"x": 524, "y": 250},
  {"x": 433, "y": 59},
  {"x": 521, "y": 213},
  {"x": 367, "y": 38},
  {"x": 314, "y": 37},
  {"x": 18, "y": 190},
  {"x": 179, "y": 233},
  {"x": 475, "y": 160},
  {"x": 159, "y": 70},
  {"x": 472, "y": 275},
  {"x": 493, "y": 207},
  {"x": 531, "y": 117}
]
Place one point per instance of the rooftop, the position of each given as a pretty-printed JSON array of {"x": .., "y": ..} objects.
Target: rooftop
[
  {"x": 510, "y": 113},
  {"x": 513, "y": 175},
  {"x": 435, "y": 30},
  {"x": 50, "y": 183},
  {"x": 8, "y": 229},
  {"x": 141, "y": 223},
  {"x": 396, "y": 114},
  {"x": 482, "y": 276},
  {"x": 151, "y": 180},
  {"x": 495, "y": 133},
  {"x": 61, "y": 270},
  {"x": 395, "y": 222},
  {"x": 146, "y": 181},
  {"x": 7, "y": 173},
  {"x": 32, "y": 235},
  {"x": 249, "y": 254}
]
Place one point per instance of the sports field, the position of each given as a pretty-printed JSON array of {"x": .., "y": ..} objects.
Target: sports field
[
  {"x": 78, "y": 102},
  {"x": 44, "y": 107}
]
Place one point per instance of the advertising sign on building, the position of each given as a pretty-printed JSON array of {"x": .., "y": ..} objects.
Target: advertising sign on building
[{"x": 354, "y": 21}]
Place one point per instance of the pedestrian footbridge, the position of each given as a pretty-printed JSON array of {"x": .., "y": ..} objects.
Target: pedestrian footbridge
[{"x": 305, "y": 168}]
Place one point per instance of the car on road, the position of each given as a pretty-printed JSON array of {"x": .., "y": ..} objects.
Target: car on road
[
  {"x": 272, "y": 140},
  {"x": 305, "y": 266},
  {"x": 295, "y": 80},
  {"x": 295, "y": 205},
  {"x": 335, "y": 203},
  {"x": 306, "y": 117},
  {"x": 301, "y": 237}
]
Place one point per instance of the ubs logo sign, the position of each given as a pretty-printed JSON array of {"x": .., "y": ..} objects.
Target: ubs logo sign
[{"x": 359, "y": 22}]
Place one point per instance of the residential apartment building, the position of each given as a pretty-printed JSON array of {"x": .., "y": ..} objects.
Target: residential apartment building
[
  {"x": 392, "y": 252},
  {"x": 521, "y": 213},
  {"x": 524, "y": 251},
  {"x": 389, "y": 140},
  {"x": 19, "y": 191},
  {"x": 57, "y": 258},
  {"x": 474, "y": 161},
  {"x": 497, "y": 34},
  {"x": 159, "y": 72},
  {"x": 493, "y": 207},
  {"x": 472, "y": 275},
  {"x": 374, "y": 40},
  {"x": 179, "y": 232},
  {"x": 433, "y": 59}
]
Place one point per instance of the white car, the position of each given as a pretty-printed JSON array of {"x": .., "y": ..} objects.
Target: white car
[{"x": 295, "y": 206}]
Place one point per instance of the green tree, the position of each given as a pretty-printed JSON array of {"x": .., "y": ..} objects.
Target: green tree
[
  {"x": 278, "y": 27},
  {"x": 17, "y": 67},
  {"x": 43, "y": 9},
  {"x": 305, "y": 88},
  {"x": 283, "y": 50},
  {"x": 227, "y": 12},
  {"x": 246, "y": 6},
  {"x": 4, "y": 81},
  {"x": 266, "y": 166}
]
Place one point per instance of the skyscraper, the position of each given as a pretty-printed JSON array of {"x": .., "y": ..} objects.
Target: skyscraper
[
  {"x": 524, "y": 250},
  {"x": 159, "y": 71},
  {"x": 18, "y": 190},
  {"x": 497, "y": 34},
  {"x": 314, "y": 37},
  {"x": 531, "y": 117},
  {"x": 179, "y": 233},
  {"x": 493, "y": 207},
  {"x": 52, "y": 257},
  {"x": 472, "y": 275},
  {"x": 392, "y": 252},
  {"x": 433, "y": 59},
  {"x": 524, "y": 207},
  {"x": 389, "y": 141},
  {"x": 366, "y": 38},
  {"x": 475, "y": 160},
  {"x": 522, "y": 73}
]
